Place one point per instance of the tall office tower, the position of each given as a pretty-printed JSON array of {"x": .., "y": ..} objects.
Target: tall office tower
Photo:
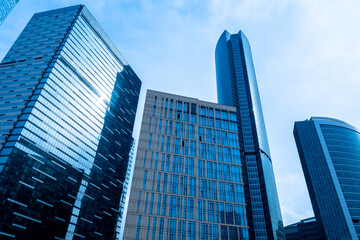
[
  {"x": 67, "y": 108},
  {"x": 329, "y": 151},
  {"x": 187, "y": 180},
  {"x": 236, "y": 86},
  {"x": 306, "y": 229},
  {"x": 6, "y": 6}
]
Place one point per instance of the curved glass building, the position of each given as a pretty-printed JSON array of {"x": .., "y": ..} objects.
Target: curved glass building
[
  {"x": 237, "y": 86},
  {"x": 329, "y": 151}
]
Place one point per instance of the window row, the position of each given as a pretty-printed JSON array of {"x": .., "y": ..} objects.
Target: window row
[
  {"x": 158, "y": 228},
  {"x": 184, "y": 185}
]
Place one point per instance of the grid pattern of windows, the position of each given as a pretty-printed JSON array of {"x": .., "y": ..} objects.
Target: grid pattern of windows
[
  {"x": 200, "y": 187},
  {"x": 237, "y": 86},
  {"x": 329, "y": 151},
  {"x": 65, "y": 142},
  {"x": 5, "y": 8}
]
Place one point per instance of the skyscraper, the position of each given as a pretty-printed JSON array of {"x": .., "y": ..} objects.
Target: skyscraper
[
  {"x": 6, "y": 6},
  {"x": 67, "y": 108},
  {"x": 329, "y": 151},
  {"x": 187, "y": 180},
  {"x": 306, "y": 229},
  {"x": 236, "y": 86}
]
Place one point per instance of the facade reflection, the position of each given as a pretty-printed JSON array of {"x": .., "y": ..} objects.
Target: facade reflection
[{"x": 68, "y": 103}]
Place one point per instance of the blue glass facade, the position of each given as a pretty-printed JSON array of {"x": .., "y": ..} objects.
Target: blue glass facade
[
  {"x": 67, "y": 108},
  {"x": 237, "y": 86},
  {"x": 306, "y": 229},
  {"x": 329, "y": 151},
  {"x": 6, "y": 6},
  {"x": 187, "y": 181}
]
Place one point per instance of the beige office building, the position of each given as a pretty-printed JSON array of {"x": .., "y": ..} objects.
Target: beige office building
[{"x": 187, "y": 181}]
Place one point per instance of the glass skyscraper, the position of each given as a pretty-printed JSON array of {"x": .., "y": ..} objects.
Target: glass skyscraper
[
  {"x": 237, "y": 86},
  {"x": 329, "y": 151},
  {"x": 187, "y": 182},
  {"x": 67, "y": 108},
  {"x": 6, "y": 6},
  {"x": 306, "y": 229}
]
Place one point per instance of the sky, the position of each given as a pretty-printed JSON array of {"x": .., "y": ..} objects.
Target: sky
[{"x": 306, "y": 56}]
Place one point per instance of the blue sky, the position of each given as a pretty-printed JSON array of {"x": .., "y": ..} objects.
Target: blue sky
[{"x": 306, "y": 56}]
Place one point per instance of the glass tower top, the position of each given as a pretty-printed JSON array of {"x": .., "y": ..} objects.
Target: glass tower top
[
  {"x": 67, "y": 108},
  {"x": 237, "y": 86}
]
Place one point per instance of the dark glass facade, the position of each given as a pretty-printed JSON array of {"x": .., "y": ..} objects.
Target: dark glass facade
[
  {"x": 6, "y": 6},
  {"x": 67, "y": 108},
  {"x": 306, "y": 229},
  {"x": 329, "y": 151},
  {"x": 237, "y": 86},
  {"x": 187, "y": 180}
]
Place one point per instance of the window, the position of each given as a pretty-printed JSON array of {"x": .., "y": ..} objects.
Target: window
[
  {"x": 172, "y": 229},
  {"x": 146, "y": 202},
  {"x": 151, "y": 203},
  {"x": 158, "y": 206},
  {"x": 229, "y": 213},
  {"x": 158, "y": 182},
  {"x": 222, "y": 191},
  {"x": 220, "y": 154},
  {"x": 156, "y": 160},
  {"x": 164, "y": 204},
  {"x": 203, "y": 231},
  {"x": 192, "y": 148},
  {"x": 165, "y": 182},
  {"x": 138, "y": 205},
  {"x": 203, "y": 188},
  {"x": 239, "y": 216},
  {"x": 154, "y": 229},
  {"x": 150, "y": 141},
  {"x": 236, "y": 156},
  {"x": 230, "y": 194},
  {"x": 211, "y": 211},
  {"x": 162, "y": 162},
  {"x": 239, "y": 191},
  {"x": 172, "y": 206},
  {"x": 175, "y": 184},
  {"x": 209, "y": 170},
  {"x": 145, "y": 176},
  {"x": 201, "y": 210},
  {"x": 138, "y": 228},
  {"x": 235, "y": 174},
  {"x": 161, "y": 229},
  {"x": 160, "y": 123},
  {"x": 192, "y": 186},
  {"x": 191, "y": 231},
  {"x": 213, "y": 190},
  {"x": 224, "y": 233},
  {"x": 167, "y": 163},
  {"x": 175, "y": 164}
]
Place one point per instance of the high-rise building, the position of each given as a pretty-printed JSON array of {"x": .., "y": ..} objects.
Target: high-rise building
[
  {"x": 187, "y": 181},
  {"x": 306, "y": 229},
  {"x": 6, "y": 6},
  {"x": 67, "y": 108},
  {"x": 236, "y": 86},
  {"x": 329, "y": 151}
]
